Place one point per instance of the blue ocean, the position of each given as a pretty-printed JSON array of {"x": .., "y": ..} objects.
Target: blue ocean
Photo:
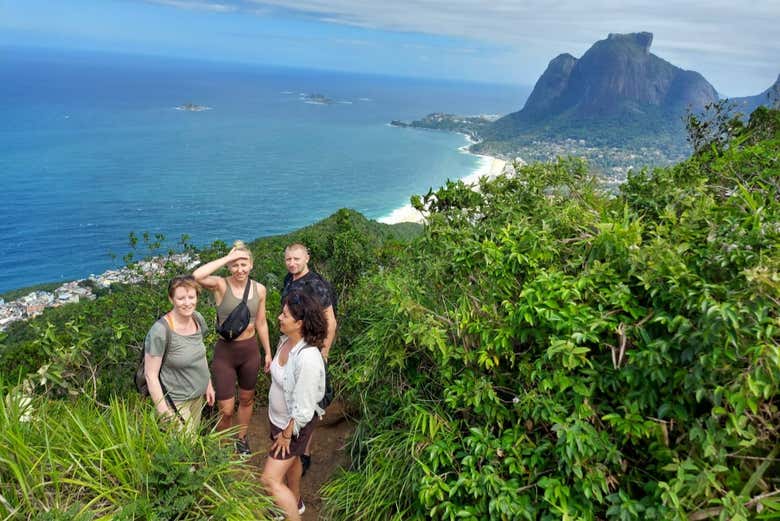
[{"x": 92, "y": 147}]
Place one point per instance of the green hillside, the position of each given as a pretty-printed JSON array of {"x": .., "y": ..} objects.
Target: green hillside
[
  {"x": 541, "y": 350},
  {"x": 547, "y": 352}
]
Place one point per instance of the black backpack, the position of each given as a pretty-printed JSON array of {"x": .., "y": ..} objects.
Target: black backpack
[
  {"x": 238, "y": 319},
  {"x": 330, "y": 394}
]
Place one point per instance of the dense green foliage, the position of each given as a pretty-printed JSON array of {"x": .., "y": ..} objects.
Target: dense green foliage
[
  {"x": 545, "y": 351},
  {"x": 92, "y": 347},
  {"x": 647, "y": 126},
  {"x": 75, "y": 461},
  {"x": 90, "y": 449}
]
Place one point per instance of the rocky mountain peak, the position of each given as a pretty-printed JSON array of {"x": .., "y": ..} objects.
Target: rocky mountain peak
[
  {"x": 617, "y": 74},
  {"x": 616, "y": 88},
  {"x": 644, "y": 39}
]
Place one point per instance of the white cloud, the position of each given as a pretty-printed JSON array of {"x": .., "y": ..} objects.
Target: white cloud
[
  {"x": 720, "y": 31},
  {"x": 195, "y": 5}
]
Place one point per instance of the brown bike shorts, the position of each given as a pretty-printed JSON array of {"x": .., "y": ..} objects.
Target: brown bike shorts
[{"x": 235, "y": 361}]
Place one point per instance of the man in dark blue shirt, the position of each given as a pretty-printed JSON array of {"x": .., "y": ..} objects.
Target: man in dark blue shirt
[{"x": 301, "y": 278}]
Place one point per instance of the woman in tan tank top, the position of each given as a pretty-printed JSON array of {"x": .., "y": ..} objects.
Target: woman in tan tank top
[{"x": 237, "y": 361}]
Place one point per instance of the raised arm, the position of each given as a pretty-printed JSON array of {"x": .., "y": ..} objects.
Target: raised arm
[{"x": 203, "y": 274}]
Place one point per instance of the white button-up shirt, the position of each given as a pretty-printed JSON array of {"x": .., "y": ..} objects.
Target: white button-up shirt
[{"x": 304, "y": 383}]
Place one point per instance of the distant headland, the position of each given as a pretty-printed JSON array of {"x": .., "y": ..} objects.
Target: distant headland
[
  {"x": 468, "y": 125},
  {"x": 619, "y": 106}
]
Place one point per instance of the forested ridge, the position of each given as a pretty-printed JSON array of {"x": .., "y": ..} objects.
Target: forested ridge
[{"x": 541, "y": 350}]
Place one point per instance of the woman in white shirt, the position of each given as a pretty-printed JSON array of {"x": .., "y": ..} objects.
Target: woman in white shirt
[{"x": 297, "y": 385}]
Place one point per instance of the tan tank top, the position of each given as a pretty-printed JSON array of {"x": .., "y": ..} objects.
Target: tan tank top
[{"x": 230, "y": 301}]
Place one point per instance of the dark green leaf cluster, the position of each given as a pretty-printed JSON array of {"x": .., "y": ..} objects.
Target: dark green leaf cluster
[
  {"x": 546, "y": 351},
  {"x": 62, "y": 457},
  {"x": 92, "y": 348}
]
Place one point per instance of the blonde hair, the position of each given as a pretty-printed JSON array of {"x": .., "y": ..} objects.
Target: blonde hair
[{"x": 240, "y": 245}]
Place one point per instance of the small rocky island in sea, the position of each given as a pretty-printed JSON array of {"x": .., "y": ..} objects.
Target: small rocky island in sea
[
  {"x": 316, "y": 99},
  {"x": 191, "y": 107}
]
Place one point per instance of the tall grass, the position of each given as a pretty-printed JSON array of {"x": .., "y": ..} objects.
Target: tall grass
[
  {"x": 383, "y": 487},
  {"x": 78, "y": 461}
]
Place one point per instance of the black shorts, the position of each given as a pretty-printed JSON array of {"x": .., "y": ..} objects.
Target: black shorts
[
  {"x": 235, "y": 361},
  {"x": 297, "y": 443}
]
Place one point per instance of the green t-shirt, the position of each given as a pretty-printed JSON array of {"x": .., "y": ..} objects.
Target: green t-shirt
[{"x": 185, "y": 372}]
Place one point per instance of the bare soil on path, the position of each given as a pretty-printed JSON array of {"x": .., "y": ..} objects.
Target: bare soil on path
[{"x": 329, "y": 452}]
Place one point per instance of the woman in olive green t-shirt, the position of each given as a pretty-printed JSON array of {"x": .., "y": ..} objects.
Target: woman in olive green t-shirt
[{"x": 185, "y": 373}]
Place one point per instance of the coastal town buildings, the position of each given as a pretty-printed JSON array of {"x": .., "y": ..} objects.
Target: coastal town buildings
[{"x": 33, "y": 304}]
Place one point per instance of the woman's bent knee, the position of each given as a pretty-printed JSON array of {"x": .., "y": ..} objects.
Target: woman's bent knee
[
  {"x": 227, "y": 410},
  {"x": 247, "y": 401},
  {"x": 270, "y": 483}
]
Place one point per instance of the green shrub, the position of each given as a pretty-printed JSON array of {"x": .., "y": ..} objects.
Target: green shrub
[
  {"x": 78, "y": 460},
  {"x": 574, "y": 355}
]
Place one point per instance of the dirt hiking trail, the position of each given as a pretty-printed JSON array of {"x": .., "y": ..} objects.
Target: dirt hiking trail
[{"x": 328, "y": 451}]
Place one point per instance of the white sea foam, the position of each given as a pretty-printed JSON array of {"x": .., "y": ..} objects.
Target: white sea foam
[
  {"x": 405, "y": 214},
  {"x": 488, "y": 166}
]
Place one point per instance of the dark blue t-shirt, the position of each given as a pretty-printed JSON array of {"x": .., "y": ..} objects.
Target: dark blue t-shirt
[{"x": 313, "y": 285}]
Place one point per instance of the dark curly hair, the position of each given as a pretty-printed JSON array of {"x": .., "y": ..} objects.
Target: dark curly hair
[{"x": 306, "y": 309}]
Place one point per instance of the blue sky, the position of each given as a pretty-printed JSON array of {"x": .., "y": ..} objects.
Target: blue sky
[{"x": 735, "y": 45}]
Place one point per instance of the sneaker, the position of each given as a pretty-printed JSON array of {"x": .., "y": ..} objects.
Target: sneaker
[
  {"x": 306, "y": 463},
  {"x": 242, "y": 446},
  {"x": 301, "y": 506}
]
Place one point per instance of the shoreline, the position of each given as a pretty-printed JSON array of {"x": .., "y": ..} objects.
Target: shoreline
[
  {"x": 33, "y": 303},
  {"x": 489, "y": 166}
]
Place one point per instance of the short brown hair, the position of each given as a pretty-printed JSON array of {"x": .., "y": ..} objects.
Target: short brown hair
[
  {"x": 187, "y": 281},
  {"x": 297, "y": 246}
]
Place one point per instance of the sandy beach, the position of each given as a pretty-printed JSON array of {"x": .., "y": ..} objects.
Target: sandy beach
[{"x": 489, "y": 167}]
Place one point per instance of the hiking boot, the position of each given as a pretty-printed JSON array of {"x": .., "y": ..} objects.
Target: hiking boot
[
  {"x": 305, "y": 462},
  {"x": 242, "y": 447}
]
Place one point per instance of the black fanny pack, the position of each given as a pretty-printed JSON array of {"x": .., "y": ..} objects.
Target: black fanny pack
[{"x": 238, "y": 319}]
